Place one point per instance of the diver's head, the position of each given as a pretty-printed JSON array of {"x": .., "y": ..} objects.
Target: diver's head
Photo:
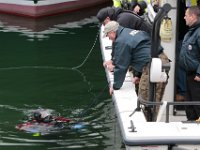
[
  {"x": 37, "y": 116},
  {"x": 43, "y": 116}
]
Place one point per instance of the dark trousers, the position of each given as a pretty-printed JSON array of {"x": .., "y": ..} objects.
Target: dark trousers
[
  {"x": 192, "y": 94},
  {"x": 180, "y": 81}
]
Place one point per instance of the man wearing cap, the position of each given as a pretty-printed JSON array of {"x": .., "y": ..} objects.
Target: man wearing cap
[{"x": 130, "y": 48}]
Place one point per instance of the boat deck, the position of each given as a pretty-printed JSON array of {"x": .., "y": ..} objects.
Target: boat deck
[{"x": 136, "y": 131}]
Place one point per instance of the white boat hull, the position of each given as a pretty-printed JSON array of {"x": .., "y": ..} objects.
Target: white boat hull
[{"x": 45, "y": 7}]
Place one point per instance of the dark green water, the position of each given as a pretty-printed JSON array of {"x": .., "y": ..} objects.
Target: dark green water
[{"x": 54, "y": 63}]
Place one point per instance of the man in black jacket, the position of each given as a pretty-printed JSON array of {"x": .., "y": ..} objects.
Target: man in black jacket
[
  {"x": 125, "y": 18},
  {"x": 189, "y": 60}
]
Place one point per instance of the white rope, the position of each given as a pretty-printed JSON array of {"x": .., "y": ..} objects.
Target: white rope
[{"x": 86, "y": 58}]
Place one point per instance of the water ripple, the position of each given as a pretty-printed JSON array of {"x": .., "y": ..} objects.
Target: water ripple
[{"x": 35, "y": 67}]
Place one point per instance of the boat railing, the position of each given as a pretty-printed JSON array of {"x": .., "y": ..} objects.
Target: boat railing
[
  {"x": 185, "y": 103},
  {"x": 150, "y": 105}
]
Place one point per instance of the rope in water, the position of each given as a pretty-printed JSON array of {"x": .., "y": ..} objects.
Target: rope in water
[{"x": 86, "y": 58}]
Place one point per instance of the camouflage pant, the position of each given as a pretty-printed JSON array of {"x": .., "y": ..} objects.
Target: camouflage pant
[{"x": 144, "y": 82}]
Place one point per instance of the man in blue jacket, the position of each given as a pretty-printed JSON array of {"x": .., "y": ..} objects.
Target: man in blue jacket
[
  {"x": 131, "y": 48},
  {"x": 190, "y": 60}
]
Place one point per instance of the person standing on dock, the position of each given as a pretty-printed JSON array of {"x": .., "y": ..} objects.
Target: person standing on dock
[
  {"x": 189, "y": 60},
  {"x": 132, "y": 48}
]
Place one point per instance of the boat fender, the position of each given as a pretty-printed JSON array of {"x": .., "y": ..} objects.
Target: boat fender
[{"x": 156, "y": 73}]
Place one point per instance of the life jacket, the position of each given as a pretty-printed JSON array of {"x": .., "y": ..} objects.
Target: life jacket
[
  {"x": 166, "y": 29},
  {"x": 117, "y": 3},
  {"x": 190, "y": 3},
  {"x": 125, "y": 4}
]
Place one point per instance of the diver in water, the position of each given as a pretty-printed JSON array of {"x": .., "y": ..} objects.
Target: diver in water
[
  {"x": 46, "y": 117},
  {"x": 44, "y": 121}
]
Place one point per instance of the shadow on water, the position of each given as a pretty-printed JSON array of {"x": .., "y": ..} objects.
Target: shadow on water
[{"x": 52, "y": 63}]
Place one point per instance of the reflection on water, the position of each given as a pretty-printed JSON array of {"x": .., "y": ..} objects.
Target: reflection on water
[
  {"x": 41, "y": 28},
  {"x": 52, "y": 63}
]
